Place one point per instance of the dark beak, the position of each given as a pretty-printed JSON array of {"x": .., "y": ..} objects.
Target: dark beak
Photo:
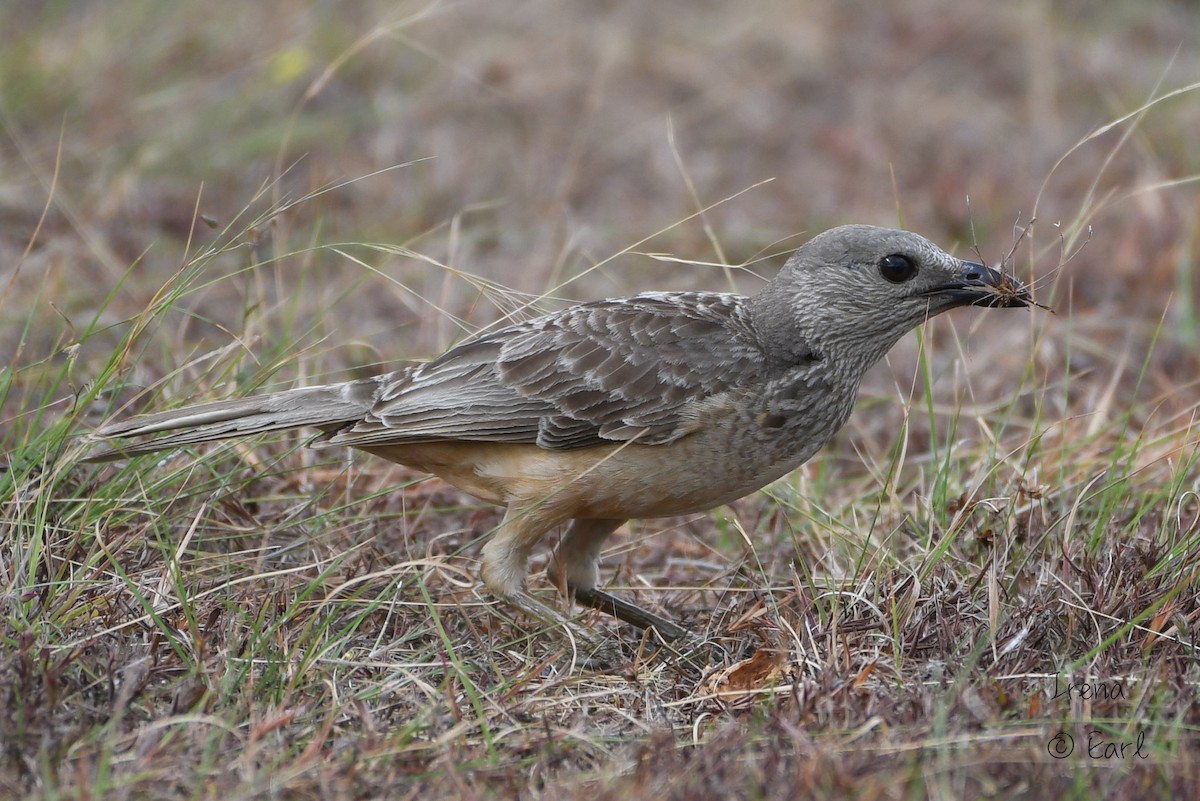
[{"x": 980, "y": 285}]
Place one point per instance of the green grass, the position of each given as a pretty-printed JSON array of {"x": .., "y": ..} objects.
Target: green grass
[{"x": 1013, "y": 507}]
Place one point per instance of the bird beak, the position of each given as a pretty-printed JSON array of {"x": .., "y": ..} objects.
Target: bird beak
[{"x": 980, "y": 285}]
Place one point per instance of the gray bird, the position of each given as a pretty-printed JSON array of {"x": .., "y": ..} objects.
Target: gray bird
[{"x": 659, "y": 404}]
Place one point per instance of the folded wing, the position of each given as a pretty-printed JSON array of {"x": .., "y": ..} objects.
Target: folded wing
[{"x": 635, "y": 369}]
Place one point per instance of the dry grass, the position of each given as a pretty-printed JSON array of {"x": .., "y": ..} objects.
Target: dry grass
[{"x": 1013, "y": 510}]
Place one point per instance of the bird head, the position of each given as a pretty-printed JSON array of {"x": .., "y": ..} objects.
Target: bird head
[{"x": 857, "y": 289}]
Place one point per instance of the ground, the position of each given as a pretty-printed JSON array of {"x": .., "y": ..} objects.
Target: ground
[{"x": 986, "y": 587}]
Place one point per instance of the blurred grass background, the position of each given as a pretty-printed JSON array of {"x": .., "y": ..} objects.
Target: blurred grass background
[
  {"x": 542, "y": 138},
  {"x": 362, "y": 183}
]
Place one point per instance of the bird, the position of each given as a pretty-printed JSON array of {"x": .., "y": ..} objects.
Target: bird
[{"x": 651, "y": 405}]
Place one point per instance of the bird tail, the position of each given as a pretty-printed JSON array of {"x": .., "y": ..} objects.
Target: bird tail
[{"x": 326, "y": 407}]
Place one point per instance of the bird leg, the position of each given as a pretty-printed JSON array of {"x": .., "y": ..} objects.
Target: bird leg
[
  {"x": 572, "y": 568},
  {"x": 574, "y": 565},
  {"x": 505, "y": 563},
  {"x": 593, "y": 648},
  {"x": 631, "y": 613}
]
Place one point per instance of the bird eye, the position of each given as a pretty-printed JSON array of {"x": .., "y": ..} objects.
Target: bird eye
[{"x": 897, "y": 268}]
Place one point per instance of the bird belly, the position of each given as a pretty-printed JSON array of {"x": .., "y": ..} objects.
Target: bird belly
[{"x": 619, "y": 481}]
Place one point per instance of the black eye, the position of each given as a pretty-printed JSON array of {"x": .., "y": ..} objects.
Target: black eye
[{"x": 897, "y": 268}]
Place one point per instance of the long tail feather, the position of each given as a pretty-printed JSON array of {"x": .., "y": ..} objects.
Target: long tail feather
[{"x": 327, "y": 407}]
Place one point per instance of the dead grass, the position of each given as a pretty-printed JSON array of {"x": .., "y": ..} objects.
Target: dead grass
[{"x": 1000, "y": 549}]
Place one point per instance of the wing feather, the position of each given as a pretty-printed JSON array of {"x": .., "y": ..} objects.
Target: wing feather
[{"x": 638, "y": 368}]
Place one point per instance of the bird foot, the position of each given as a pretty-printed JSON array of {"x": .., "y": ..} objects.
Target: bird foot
[
  {"x": 591, "y": 648},
  {"x": 691, "y": 648}
]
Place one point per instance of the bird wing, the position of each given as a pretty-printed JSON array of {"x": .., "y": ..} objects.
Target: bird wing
[{"x": 634, "y": 369}]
